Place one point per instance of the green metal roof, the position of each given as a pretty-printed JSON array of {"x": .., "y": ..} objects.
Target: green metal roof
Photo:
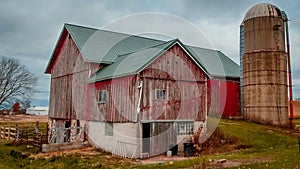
[
  {"x": 131, "y": 63},
  {"x": 101, "y": 46},
  {"x": 215, "y": 62},
  {"x": 127, "y": 54}
]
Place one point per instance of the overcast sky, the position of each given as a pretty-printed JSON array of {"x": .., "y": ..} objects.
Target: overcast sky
[{"x": 29, "y": 29}]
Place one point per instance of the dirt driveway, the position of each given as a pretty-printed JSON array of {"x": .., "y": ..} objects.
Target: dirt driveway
[{"x": 23, "y": 118}]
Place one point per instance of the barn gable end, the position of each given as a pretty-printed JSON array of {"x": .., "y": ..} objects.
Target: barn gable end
[
  {"x": 184, "y": 82},
  {"x": 68, "y": 83},
  {"x": 172, "y": 69}
]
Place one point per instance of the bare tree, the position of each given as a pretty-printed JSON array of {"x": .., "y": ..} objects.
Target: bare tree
[
  {"x": 16, "y": 82},
  {"x": 25, "y": 104}
]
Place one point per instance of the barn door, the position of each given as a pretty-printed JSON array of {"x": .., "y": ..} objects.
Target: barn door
[
  {"x": 67, "y": 133},
  {"x": 146, "y": 138},
  {"x": 163, "y": 134}
]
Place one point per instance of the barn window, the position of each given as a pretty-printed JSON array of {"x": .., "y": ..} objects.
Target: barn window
[
  {"x": 185, "y": 128},
  {"x": 160, "y": 94},
  {"x": 109, "y": 129},
  {"x": 102, "y": 96}
]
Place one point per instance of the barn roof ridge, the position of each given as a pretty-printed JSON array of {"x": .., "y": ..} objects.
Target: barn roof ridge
[
  {"x": 115, "y": 32},
  {"x": 116, "y": 44},
  {"x": 112, "y": 43},
  {"x": 156, "y": 45},
  {"x": 130, "y": 63},
  {"x": 135, "y": 62}
]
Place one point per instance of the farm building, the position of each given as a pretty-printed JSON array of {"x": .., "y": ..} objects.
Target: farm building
[
  {"x": 132, "y": 95},
  {"x": 38, "y": 110}
]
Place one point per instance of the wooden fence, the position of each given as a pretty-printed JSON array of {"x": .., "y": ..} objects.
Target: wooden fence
[
  {"x": 36, "y": 139},
  {"x": 39, "y": 139}
]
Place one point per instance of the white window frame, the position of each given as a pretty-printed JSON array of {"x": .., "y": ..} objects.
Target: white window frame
[
  {"x": 157, "y": 97},
  {"x": 100, "y": 97},
  {"x": 185, "y": 128},
  {"x": 109, "y": 129},
  {"x": 182, "y": 127}
]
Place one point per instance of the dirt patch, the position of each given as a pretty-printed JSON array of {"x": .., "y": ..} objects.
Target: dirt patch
[
  {"x": 89, "y": 151},
  {"x": 288, "y": 132},
  {"x": 223, "y": 163},
  {"x": 216, "y": 143},
  {"x": 89, "y": 154},
  {"x": 162, "y": 159},
  {"x": 23, "y": 118}
]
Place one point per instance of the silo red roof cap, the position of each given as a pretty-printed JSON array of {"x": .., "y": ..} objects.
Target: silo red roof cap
[{"x": 262, "y": 10}]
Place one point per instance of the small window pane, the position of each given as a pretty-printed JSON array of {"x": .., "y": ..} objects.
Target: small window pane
[
  {"x": 182, "y": 128},
  {"x": 185, "y": 128},
  {"x": 160, "y": 94},
  {"x": 102, "y": 96}
]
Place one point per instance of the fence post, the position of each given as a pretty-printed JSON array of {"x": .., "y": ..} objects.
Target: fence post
[
  {"x": 47, "y": 132},
  {"x": 16, "y": 133},
  {"x": 8, "y": 137},
  {"x": 26, "y": 137},
  {"x": 37, "y": 128},
  {"x": 1, "y": 134}
]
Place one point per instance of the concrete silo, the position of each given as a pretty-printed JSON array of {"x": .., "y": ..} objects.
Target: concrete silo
[{"x": 264, "y": 65}]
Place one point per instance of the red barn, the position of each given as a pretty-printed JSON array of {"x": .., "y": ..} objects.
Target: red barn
[{"x": 133, "y": 95}]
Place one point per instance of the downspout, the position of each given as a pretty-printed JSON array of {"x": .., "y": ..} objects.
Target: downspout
[
  {"x": 289, "y": 70},
  {"x": 140, "y": 87}
]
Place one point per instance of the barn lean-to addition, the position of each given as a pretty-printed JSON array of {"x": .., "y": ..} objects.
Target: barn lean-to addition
[{"x": 132, "y": 95}]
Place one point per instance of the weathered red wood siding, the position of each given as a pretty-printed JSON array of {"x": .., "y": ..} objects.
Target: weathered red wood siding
[
  {"x": 223, "y": 97},
  {"x": 68, "y": 83},
  {"x": 185, "y": 84},
  {"x": 232, "y": 105},
  {"x": 121, "y": 105}
]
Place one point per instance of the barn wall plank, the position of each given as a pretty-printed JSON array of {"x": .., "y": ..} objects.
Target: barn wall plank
[
  {"x": 185, "y": 83},
  {"x": 174, "y": 71},
  {"x": 68, "y": 83},
  {"x": 122, "y": 98}
]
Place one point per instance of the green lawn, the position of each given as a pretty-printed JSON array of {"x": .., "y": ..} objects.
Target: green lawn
[
  {"x": 278, "y": 147},
  {"x": 26, "y": 127},
  {"x": 297, "y": 121},
  {"x": 76, "y": 161}
]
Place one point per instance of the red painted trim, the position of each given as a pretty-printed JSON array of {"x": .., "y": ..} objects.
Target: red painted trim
[
  {"x": 227, "y": 97},
  {"x": 98, "y": 85},
  {"x": 290, "y": 88},
  {"x": 58, "y": 48}
]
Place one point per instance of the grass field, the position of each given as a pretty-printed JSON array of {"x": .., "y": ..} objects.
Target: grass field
[
  {"x": 28, "y": 127},
  {"x": 297, "y": 121},
  {"x": 278, "y": 145},
  {"x": 267, "y": 147}
]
